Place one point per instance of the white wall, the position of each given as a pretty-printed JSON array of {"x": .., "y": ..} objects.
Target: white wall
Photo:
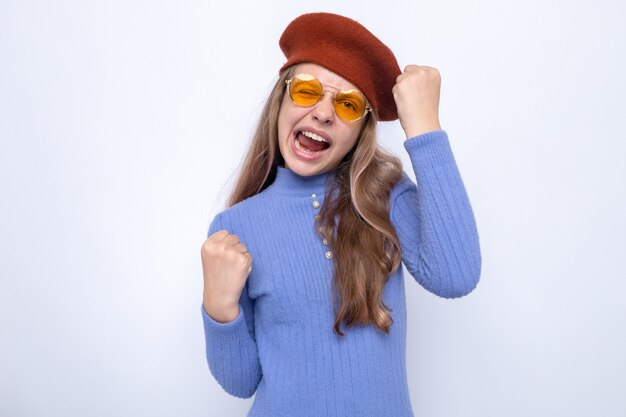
[{"x": 118, "y": 133}]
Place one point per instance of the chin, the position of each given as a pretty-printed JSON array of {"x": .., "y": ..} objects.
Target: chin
[{"x": 305, "y": 170}]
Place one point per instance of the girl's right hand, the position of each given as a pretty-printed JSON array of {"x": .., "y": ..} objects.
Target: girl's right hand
[{"x": 226, "y": 265}]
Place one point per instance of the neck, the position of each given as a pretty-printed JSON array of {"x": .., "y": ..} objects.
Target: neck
[{"x": 287, "y": 181}]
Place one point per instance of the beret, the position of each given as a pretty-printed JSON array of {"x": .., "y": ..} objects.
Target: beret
[{"x": 348, "y": 49}]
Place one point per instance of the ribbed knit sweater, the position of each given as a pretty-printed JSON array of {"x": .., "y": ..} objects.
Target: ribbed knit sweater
[{"x": 282, "y": 345}]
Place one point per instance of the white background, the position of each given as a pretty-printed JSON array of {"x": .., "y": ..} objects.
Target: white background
[{"x": 122, "y": 122}]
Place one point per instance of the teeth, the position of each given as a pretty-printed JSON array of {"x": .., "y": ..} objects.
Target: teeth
[{"x": 314, "y": 136}]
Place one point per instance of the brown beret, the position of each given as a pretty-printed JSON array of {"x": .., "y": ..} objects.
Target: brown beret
[{"x": 348, "y": 49}]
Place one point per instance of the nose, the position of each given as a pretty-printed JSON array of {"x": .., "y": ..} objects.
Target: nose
[{"x": 324, "y": 110}]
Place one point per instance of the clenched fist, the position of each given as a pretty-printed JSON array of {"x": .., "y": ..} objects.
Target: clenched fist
[
  {"x": 416, "y": 94},
  {"x": 226, "y": 265}
]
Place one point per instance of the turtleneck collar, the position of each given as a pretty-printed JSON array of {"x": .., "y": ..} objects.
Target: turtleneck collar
[{"x": 288, "y": 182}]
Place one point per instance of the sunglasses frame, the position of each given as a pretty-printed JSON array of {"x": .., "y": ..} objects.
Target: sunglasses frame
[{"x": 367, "y": 105}]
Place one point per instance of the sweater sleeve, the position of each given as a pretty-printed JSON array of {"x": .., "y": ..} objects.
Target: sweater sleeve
[
  {"x": 434, "y": 219},
  {"x": 231, "y": 349}
]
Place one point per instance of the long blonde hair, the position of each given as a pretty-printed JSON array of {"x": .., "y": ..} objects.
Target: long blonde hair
[{"x": 364, "y": 243}]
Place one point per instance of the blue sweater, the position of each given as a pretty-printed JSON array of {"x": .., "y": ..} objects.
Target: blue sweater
[{"x": 282, "y": 345}]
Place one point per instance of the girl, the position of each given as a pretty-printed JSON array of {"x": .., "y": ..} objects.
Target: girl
[{"x": 303, "y": 287}]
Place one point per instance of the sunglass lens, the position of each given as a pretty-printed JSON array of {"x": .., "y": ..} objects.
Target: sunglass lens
[
  {"x": 305, "y": 91},
  {"x": 350, "y": 105}
]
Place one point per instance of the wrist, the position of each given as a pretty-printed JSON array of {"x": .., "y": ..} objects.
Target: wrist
[
  {"x": 419, "y": 129},
  {"x": 222, "y": 315},
  {"x": 220, "y": 312}
]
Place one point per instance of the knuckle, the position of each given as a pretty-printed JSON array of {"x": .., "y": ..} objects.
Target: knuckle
[
  {"x": 207, "y": 246},
  {"x": 210, "y": 252},
  {"x": 219, "y": 233}
]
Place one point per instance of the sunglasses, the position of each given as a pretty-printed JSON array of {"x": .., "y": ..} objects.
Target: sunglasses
[{"x": 305, "y": 90}]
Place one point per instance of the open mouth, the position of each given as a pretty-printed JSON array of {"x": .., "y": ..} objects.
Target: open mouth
[{"x": 310, "y": 142}]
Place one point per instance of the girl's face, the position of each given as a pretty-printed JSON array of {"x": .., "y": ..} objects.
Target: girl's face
[{"x": 299, "y": 127}]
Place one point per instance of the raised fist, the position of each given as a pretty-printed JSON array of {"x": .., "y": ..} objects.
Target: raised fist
[
  {"x": 416, "y": 94},
  {"x": 226, "y": 265}
]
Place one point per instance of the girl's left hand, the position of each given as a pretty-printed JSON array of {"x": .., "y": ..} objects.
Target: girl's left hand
[{"x": 417, "y": 98}]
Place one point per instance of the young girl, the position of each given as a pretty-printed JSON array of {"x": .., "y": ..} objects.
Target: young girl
[{"x": 304, "y": 300}]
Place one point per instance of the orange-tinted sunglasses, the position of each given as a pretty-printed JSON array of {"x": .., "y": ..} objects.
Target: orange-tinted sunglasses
[{"x": 305, "y": 90}]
